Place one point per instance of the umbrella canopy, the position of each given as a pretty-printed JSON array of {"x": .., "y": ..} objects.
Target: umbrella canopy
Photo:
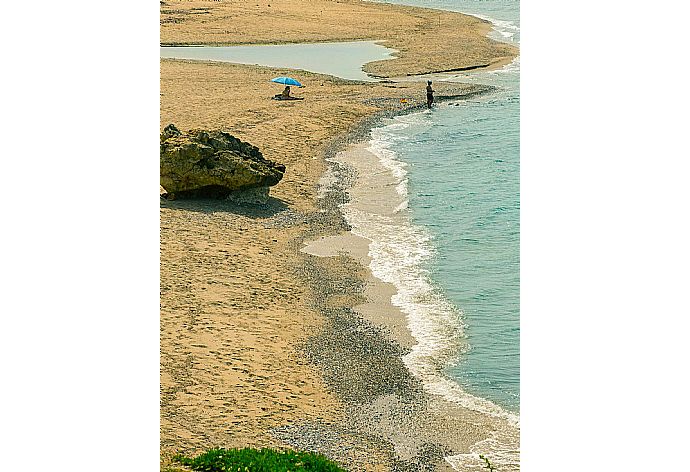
[{"x": 286, "y": 81}]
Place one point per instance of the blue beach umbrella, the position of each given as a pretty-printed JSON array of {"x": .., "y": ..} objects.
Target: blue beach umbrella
[{"x": 286, "y": 81}]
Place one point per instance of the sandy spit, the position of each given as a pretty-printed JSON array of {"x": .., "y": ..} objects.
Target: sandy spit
[{"x": 427, "y": 40}]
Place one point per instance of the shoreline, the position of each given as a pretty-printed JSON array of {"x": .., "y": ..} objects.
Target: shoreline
[{"x": 485, "y": 427}]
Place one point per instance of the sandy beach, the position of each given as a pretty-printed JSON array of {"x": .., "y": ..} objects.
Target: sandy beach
[{"x": 273, "y": 331}]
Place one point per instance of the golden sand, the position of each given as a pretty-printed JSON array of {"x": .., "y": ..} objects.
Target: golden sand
[{"x": 233, "y": 310}]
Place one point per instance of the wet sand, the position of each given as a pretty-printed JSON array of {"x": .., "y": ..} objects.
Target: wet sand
[{"x": 416, "y": 418}]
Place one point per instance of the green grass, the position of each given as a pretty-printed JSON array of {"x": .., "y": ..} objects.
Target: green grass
[{"x": 255, "y": 460}]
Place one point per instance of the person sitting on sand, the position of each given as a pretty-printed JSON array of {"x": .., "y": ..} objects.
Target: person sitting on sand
[
  {"x": 285, "y": 95},
  {"x": 429, "y": 94}
]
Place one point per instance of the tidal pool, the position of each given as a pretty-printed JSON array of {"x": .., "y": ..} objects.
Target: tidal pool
[{"x": 343, "y": 60}]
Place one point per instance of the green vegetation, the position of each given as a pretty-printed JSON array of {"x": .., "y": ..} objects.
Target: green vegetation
[
  {"x": 488, "y": 464},
  {"x": 255, "y": 460}
]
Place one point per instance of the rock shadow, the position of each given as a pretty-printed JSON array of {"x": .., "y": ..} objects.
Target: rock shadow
[{"x": 269, "y": 209}]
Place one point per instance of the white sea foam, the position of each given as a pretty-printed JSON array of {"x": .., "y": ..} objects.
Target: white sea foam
[
  {"x": 380, "y": 145},
  {"x": 505, "y": 30},
  {"x": 502, "y": 448},
  {"x": 403, "y": 206},
  {"x": 513, "y": 67}
]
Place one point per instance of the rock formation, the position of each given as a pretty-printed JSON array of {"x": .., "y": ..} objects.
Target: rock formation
[{"x": 213, "y": 163}]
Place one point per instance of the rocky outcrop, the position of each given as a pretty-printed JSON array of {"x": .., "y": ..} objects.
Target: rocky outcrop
[{"x": 212, "y": 163}]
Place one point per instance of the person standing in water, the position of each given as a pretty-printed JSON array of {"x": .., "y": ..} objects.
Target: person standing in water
[{"x": 429, "y": 94}]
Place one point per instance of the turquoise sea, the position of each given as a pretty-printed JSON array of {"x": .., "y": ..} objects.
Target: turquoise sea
[{"x": 460, "y": 164}]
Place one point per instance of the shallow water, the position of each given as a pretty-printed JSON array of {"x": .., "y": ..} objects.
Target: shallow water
[
  {"x": 462, "y": 185},
  {"x": 343, "y": 60}
]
